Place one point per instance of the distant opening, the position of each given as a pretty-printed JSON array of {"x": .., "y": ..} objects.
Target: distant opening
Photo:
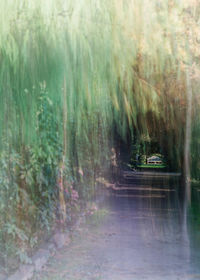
[{"x": 151, "y": 144}]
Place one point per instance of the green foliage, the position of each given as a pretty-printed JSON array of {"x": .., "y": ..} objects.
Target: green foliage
[
  {"x": 152, "y": 166},
  {"x": 9, "y": 196},
  {"x": 29, "y": 189},
  {"x": 72, "y": 76}
]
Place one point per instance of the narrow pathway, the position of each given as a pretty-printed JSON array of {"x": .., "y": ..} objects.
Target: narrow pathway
[{"x": 142, "y": 236}]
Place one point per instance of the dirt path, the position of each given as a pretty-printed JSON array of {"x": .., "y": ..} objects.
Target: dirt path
[{"x": 138, "y": 238}]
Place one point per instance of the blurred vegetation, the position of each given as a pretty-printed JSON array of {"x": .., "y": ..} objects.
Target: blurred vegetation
[
  {"x": 74, "y": 74},
  {"x": 195, "y": 207}
]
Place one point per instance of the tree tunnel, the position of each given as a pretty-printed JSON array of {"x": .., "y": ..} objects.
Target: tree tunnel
[
  {"x": 151, "y": 135},
  {"x": 87, "y": 87}
]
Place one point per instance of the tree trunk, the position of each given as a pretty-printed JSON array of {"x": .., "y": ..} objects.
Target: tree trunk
[{"x": 188, "y": 139}]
